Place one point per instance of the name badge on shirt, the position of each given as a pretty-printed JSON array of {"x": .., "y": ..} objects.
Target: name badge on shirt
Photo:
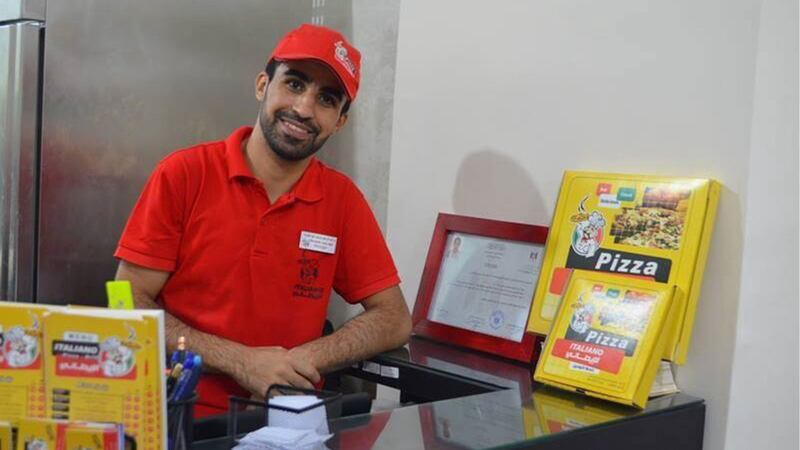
[{"x": 317, "y": 242}]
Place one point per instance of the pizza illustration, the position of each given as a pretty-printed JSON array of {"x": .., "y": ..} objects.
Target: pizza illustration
[
  {"x": 649, "y": 227},
  {"x": 19, "y": 348},
  {"x": 116, "y": 360}
]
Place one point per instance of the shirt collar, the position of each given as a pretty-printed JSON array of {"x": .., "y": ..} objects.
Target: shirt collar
[
  {"x": 234, "y": 156},
  {"x": 308, "y": 188}
]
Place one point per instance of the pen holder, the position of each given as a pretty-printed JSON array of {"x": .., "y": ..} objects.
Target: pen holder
[
  {"x": 180, "y": 421},
  {"x": 327, "y": 401}
]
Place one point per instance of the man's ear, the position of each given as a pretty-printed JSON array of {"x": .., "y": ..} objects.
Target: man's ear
[{"x": 262, "y": 80}]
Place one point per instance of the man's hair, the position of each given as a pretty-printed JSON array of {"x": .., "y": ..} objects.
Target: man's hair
[{"x": 270, "y": 70}]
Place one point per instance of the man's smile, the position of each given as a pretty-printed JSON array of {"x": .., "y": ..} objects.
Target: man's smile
[{"x": 295, "y": 129}]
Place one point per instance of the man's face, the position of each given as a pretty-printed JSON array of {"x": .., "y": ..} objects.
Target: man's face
[{"x": 301, "y": 107}]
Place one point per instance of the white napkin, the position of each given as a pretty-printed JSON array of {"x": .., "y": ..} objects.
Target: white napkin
[
  {"x": 279, "y": 438},
  {"x": 313, "y": 419}
]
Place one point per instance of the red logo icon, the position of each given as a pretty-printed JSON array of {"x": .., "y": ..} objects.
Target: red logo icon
[{"x": 603, "y": 188}]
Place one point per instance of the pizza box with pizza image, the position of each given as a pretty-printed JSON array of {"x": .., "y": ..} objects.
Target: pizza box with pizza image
[
  {"x": 608, "y": 337},
  {"x": 646, "y": 227}
]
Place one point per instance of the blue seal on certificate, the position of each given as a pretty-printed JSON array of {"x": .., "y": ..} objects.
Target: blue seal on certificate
[{"x": 496, "y": 319}]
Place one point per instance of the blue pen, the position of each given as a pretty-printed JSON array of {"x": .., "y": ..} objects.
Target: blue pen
[
  {"x": 185, "y": 389},
  {"x": 188, "y": 365},
  {"x": 191, "y": 384}
]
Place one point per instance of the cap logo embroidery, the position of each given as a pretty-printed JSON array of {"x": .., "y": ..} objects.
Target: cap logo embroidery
[{"x": 344, "y": 59}]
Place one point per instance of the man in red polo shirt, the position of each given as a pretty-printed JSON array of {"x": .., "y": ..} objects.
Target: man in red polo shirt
[{"x": 241, "y": 241}]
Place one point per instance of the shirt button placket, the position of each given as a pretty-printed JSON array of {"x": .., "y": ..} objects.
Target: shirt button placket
[{"x": 260, "y": 245}]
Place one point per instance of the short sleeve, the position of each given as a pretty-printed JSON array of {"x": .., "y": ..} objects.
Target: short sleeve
[
  {"x": 365, "y": 266},
  {"x": 153, "y": 233}
]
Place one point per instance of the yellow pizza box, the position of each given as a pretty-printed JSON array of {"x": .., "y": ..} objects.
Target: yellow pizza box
[
  {"x": 5, "y": 436},
  {"x": 649, "y": 227},
  {"x": 608, "y": 337},
  {"x": 21, "y": 360}
]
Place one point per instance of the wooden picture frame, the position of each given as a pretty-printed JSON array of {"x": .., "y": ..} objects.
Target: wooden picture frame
[{"x": 446, "y": 224}]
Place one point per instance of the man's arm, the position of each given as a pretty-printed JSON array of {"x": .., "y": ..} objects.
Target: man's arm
[
  {"x": 385, "y": 324},
  {"x": 254, "y": 368}
]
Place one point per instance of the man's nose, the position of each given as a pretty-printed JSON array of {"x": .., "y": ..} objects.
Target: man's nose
[{"x": 304, "y": 104}]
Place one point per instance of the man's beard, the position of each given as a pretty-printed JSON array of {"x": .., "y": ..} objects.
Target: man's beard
[{"x": 287, "y": 147}]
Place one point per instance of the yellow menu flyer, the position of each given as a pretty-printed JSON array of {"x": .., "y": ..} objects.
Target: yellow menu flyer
[
  {"x": 21, "y": 361},
  {"x": 107, "y": 365},
  {"x": 607, "y": 337},
  {"x": 647, "y": 227}
]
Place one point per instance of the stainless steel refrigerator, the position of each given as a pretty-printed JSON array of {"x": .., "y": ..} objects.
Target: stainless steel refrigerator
[{"x": 93, "y": 93}]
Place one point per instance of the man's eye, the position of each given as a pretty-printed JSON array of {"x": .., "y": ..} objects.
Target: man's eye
[
  {"x": 294, "y": 85},
  {"x": 327, "y": 100}
]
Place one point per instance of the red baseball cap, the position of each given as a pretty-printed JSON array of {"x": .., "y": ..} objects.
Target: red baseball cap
[{"x": 327, "y": 46}]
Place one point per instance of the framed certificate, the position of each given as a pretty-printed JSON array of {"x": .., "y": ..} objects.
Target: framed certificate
[{"x": 478, "y": 283}]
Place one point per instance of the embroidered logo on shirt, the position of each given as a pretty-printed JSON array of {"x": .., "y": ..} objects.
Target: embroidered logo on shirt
[{"x": 308, "y": 272}]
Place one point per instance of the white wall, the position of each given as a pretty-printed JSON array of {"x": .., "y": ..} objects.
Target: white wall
[
  {"x": 768, "y": 307},
  {"x": 493, "y": 100}
]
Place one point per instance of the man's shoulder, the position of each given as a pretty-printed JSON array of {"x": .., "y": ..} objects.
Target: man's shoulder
[
  {"x": 198, "y": 154},
  {"x": 334, "y": 179}
]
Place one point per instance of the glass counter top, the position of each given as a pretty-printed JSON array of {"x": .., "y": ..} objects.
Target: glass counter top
[
  {"x": 493, "y": 420},
  {"x": 504, "y": 409}
]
